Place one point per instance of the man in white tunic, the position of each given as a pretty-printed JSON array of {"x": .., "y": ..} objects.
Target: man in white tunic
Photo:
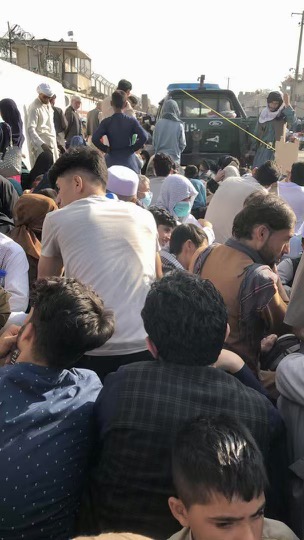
[{"x": 41, "y": 133}]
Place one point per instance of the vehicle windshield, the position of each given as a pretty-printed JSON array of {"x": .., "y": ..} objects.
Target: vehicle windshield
[{"x": 190, "y": 108}]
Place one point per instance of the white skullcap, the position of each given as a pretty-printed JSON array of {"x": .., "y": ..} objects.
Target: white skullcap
[
  {"x": 44, "y": 88},
  {"x": 122, "y": 181}
]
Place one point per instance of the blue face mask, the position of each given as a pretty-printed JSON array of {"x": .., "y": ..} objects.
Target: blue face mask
[
  {"x": 182, "y": 209},
  {"x": 147, "y": 199}
]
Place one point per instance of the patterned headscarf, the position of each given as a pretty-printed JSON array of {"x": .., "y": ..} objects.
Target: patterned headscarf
[{"x": 29, "y": 214}]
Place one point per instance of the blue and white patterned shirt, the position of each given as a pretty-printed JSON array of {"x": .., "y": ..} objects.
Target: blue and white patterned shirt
[{"x": 45, "y": 441}]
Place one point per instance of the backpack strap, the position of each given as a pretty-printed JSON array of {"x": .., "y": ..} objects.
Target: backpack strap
[{"x": 199, "y": 258}]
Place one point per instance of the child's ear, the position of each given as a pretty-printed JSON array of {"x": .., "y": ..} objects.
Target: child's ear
[{"x": 179, "y": 511}]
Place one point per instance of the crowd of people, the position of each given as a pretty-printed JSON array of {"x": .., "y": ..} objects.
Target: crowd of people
[{"x": 151, "y": 330}]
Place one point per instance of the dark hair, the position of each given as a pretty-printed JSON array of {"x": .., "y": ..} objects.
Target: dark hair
[
  {"x": 119, "y": 99},
  {"x": 297, "y": 173},
  {"x": 210, "y": 165},
  {"x": 162, "y": 164},
  {"x": 270, "y": 211},
  {"x": 216, "y": 456},
  {"x": 275, "y": 96},
  {"x": 11, "y": 114},
  {"x": 49, "y": 192},
  {"x": 124, "y": 85},
  {"x": 191, "y": 171},
  {"x": 213, "y": 166},
  {"x": 186, "y": 319},
  {"x": 69, "y": 320},
  {"x": 162, "y": 216},
  {"x": 133, "y": 100},
  {"x": 226, "y": 160},
  {"x": 146, "y": 157},
  {"x": 185, "y": 232},
  {"x": 267, "y": 174},
  {"x": 212, "y": 185},
  {"x": 205, "y": 163},
  {"x": 256, "y": 197},
  {"x": 79, "y": 159}
]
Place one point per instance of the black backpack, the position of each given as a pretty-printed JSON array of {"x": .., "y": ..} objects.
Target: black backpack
[{"x": 286, "y": 344}]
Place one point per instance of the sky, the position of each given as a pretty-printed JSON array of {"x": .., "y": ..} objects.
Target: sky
[{"x": 253, "y": 44}]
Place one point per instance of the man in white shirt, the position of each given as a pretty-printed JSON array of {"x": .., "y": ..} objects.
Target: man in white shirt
[
  {"x": 41, "y": 133},
  {"x": 292, "y": 191},
  {"x": 229, "y": 199},
  {"x": 108, "y": 244},
  {"x": 16, "y": 282}
]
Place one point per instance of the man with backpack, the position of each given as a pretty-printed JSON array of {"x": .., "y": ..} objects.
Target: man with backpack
[{"x": 244, "y": 271}]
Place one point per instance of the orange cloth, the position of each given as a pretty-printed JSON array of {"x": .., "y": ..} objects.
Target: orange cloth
[{"x": 28, "y": 214}]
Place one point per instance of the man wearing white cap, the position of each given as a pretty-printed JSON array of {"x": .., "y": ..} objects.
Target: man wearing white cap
[
  {"x": 123, "y": 182},
  {"x": 41, "y": 133}
]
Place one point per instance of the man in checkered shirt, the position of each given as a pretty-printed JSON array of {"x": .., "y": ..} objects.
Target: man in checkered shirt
[{"x": 142, "y": 405}]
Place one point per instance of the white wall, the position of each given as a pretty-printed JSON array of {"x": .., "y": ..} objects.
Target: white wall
[{"x": 20, "y": 85}]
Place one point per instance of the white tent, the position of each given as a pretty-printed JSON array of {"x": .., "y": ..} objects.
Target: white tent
[{"x": 20, "y": 85}]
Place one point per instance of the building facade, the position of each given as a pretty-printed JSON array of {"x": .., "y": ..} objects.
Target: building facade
[
  {"x": 253, "y": 102},
  {"x": 61, "y": 60}
]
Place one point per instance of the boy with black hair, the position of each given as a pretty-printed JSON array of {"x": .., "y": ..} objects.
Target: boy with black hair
[
  {"x": 267, "y": 174},
  {"x": 106, "y": 106},
  {"x": 142, "y": 405},
  {"x": 163, "y": 166},
  {"x": 89, "y": 228},
  {"x": 184, "y": 241},
  {"x": 46, "y": 420},
  {"x": 199, "y": 205},
  {"x": 165, "y": 223},
  {"x": 220, "y": 479},
  {"x": 125, "y": 135}
]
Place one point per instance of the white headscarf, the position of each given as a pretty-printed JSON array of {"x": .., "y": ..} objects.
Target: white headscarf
[
  {"x": 44, "y": 88},
  {"x": 230, "y": 170},
  {"x": 266, "y": 115},
  {"x": 175, "y": 188}
]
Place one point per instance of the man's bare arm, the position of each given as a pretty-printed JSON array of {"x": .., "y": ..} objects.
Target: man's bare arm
[{"x": 50, "y": 266}]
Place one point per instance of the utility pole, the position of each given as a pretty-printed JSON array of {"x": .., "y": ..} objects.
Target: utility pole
[
  {"x": 228, "y": 83},
  {"x": 294, "y": 87},
  {"x": 10, "y": 42}
]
